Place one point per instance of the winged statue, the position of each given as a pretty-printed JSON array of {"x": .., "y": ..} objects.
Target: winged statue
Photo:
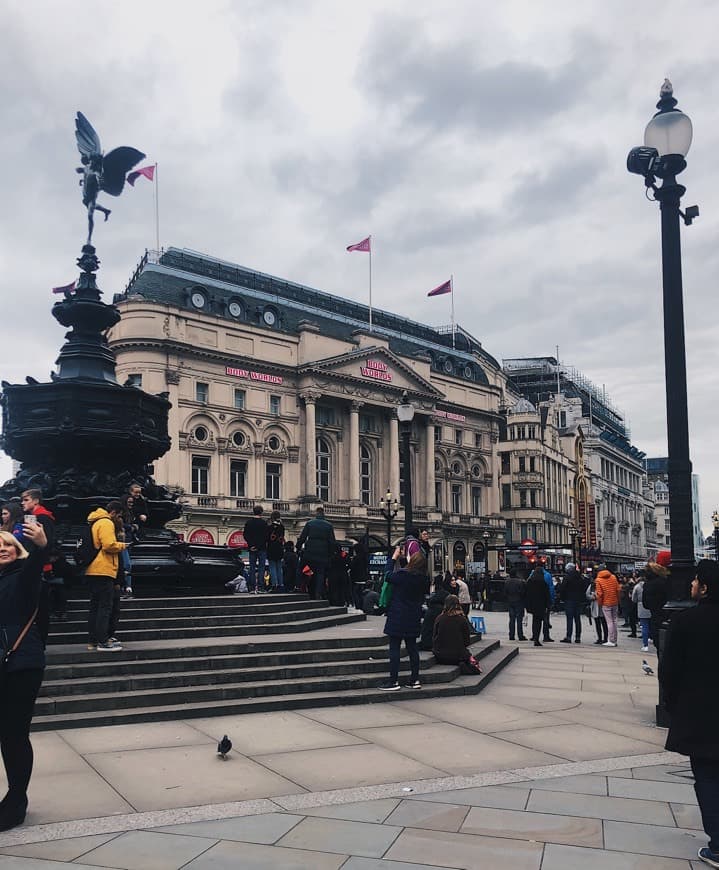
[{"x": 100, "y": 172}]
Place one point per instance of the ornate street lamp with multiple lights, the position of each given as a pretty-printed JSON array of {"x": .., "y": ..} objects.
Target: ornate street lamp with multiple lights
[
  {"x": 666, "y": 142},
  {"x": 574, "y": 534},
  {"x": 405, "y": 415},
  {"x": 389, "y": 510},
  {"x": 715, "y": 520}
]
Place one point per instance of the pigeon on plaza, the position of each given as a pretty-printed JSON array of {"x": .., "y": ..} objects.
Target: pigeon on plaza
[
  {"x": 645, "y": 667},
  {"x": 224, "y": 746}
]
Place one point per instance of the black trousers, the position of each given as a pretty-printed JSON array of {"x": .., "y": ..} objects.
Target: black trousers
[
  {"x": 18, "y": 691},
  {"x": 706, "y": 786},
  {"x": 601, "y": 627},
  {"x": 98, "y": 621},
  {"x": 394, "y": 647},
  {"x": 539, "y": 620}
]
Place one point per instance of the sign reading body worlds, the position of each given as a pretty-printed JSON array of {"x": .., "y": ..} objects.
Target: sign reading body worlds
[
  {"x": 201, "y": 536},
  {"x": 253, "y": 376},
  {"x": 376, "y": 369}
]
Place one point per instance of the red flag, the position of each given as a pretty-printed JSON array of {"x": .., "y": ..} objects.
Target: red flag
[
  {"x": 364, "y": 245},
  {"x": 442, "y": 289},
  {"x": 146, "y": 171},
  {"x": 68, "y": 288}
]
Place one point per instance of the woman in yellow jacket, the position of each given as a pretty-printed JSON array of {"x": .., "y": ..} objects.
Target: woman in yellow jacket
[
  {"x": 101, "y": 574},
  {"x": 607, "y": 591}
]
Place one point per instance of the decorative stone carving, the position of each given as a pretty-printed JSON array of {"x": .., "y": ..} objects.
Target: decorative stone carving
[{"x": 172, "y": 376}]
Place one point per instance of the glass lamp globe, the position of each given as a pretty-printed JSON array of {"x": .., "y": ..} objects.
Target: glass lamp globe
[
  {"x": 669, "y": 133},
  {"x": 405, "y": 412}
]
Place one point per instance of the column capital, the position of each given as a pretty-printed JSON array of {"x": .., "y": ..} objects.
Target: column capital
[
  {"x": 355, "y": 405},
  {"x": 310, "y": 396}
]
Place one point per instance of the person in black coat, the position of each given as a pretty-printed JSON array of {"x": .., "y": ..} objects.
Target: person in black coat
[
  {"x": 537, "y": 601},
  {"x": 317, "y": 541},
  {"x": 450, "y": 637},
  {"x": 23, "y": 663},
  {"x": 573, "y": 594},
  {"x": 255, "y": 534},
  {"x": 289, "y": 566},
  {"x": 687, "y": 676},
  {"x": 435, "y": 606},
  {"x": 404, "y": 617},
  {"x": 654, "y": 596}
]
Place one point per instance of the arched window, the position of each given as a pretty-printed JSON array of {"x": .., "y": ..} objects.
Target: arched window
[
  {"x": 365, "y": 474},
  {"x": 324, "y": 459}
]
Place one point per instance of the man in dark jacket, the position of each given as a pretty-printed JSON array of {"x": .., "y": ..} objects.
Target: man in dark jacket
[
  {"x": 255, "y": 533},
  {"x": 514, "y": 596},
  {"x": 654, "y": 594},
  {"x": 537, "y": 602},
  {"x": 687, "y": 675},
  {"x": 317, "y": 542},
  {"x": 573, "y": 592}
]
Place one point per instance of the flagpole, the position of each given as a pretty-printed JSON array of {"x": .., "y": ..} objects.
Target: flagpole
[
  {"x": 451, "y": 285},
  {"x": 370, "y": 283},
  {"x": 157, "y": 210}
]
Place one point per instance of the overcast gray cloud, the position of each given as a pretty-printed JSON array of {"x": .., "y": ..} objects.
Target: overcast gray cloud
[{"x": 483, "y": 140}]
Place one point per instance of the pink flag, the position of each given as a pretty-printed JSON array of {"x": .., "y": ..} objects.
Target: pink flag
[
  {"x": 68, "y": 288},
  {"x": 442, "y": 289},
  {"x": 364, "y": 245},
  {"x": 146, "y": 171}
]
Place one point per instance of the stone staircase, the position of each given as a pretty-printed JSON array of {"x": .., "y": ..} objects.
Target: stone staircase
[{"x": 190, "y": 657}]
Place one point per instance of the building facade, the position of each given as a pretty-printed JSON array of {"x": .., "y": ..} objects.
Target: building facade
[
  {"x": 284, "y": 396},
  {"x": 657, "y": 471}
]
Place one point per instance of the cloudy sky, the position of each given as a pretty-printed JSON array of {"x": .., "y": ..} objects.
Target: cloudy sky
[{"x": 480, "y": 139}]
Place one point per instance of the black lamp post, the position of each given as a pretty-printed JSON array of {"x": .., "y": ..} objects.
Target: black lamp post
[
  {"x": 574, "y": 534},
  {"x": 715, "y": 520},
  {"x": 405, "y": 415},
  {"x": 666, "y": 142},
  {"x": 389, "y": 510}
]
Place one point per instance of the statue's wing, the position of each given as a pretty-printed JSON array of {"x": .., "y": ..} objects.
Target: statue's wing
[
  {"x": 115, "y": 167},
  {"x": 88, "y": 142}
]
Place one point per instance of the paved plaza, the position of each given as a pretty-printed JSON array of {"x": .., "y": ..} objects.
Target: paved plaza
[{"x": 557, "y": 764}]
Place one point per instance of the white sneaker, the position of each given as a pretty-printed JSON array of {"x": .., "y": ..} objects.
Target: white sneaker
[
  {"x": 609, "y": 643},
  {"x": 645, "y": 649}
]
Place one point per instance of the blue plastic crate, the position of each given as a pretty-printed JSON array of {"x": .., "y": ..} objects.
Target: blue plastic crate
[{"x": 478, "y": 624}]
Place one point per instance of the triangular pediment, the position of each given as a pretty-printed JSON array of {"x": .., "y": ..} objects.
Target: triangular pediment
[{"x": 374, "y": 365}]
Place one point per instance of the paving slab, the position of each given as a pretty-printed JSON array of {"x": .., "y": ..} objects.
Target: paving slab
[
  {"x": 64, "y": 796},
  {"x": 579, "y": 742},
  {"x": 365, "y": 715},
  {"x": 227, "y": 855},
  {"x": 477, "y": 713},
  {"x": 665, "y": 772},
  {"x": 598, "y": 807},
  {"x": 381, "y": 864},
  {"x": 429, "y": 815},
  {"x": 465, "y": 851},
  {"x": 347, "y": 766},
  {"x": 183, "y": 776},
  {"x": 148, "y": 850},
  {"x": 59, "y": 850},
  {"x": 653, "y": 840},
  {"x": 266, "y": 828},
  {"x": 572, "y": 857},
  {"x": 677, "y": 791},
  {"x": 687, "y": 816},
  {"x": 12, "y": 863},
  {"x": 337, "y": 835},
  {"x": 53, "y": 756},
  {"x": 145, "y": 735},
  {"x": 583, "y": 783},
  {"x": 500, "y": 796},
  {"x": 284, "y": 731},
  {"x": 542, "y": 827},
  {"x": 362, "y": 811},
  {"x": 454, "y": 749}
]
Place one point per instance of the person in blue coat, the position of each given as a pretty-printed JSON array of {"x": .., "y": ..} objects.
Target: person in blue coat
[{"x": 404, "y": 616}]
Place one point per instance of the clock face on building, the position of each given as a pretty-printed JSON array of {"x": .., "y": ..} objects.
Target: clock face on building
[
  {"x": 198, "y": 299},
  {"x": 235, "y": 309},
  {"x": 269, "y": 317}
]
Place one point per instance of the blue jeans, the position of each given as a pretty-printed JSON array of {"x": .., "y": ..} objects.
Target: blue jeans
[
  {"x": 255, "y": 581},
  {"x": 276, "y": 577},
  {"x": 645, "y": 630},
  {"x": 706, "y": 786},
  {"x": 516, "y": 615},
  {"x": 573, "y": 612}
]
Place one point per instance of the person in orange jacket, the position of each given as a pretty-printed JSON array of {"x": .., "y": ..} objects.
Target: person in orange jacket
[{"x": 608, "y": 591}]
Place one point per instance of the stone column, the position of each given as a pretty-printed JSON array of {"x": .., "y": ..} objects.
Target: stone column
[
  {"x": 310, "y": 452},
  {"x": 353, "y": 477},
  {"x": 394, "y": 454},
  {"x": 429, "y": 462}
]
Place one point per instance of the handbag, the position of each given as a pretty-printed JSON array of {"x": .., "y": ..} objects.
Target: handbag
[
  {"x": 18, "y": 640},
  {"x": 385, "y": 595}
]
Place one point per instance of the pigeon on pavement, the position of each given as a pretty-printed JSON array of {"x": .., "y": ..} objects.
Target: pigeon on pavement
[
  {"x": 224, "y": 746},
  {"x": 645, "y": 667}
]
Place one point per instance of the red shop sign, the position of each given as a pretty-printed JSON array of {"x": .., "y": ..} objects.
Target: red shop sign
[
  {"x": 201, "y": 536},
  {"x": 237, "y": 539}
]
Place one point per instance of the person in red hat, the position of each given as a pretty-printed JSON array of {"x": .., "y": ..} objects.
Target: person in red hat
[{"x": 655, "y": 592}]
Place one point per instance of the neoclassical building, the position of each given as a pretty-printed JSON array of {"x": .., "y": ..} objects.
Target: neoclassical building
[{"x": 283, "y": 395}]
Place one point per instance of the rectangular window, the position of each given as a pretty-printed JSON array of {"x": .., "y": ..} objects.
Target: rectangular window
[
  {"x": 533, "y": 497},
  {"x": 531, "y": 432},
  {"x": 523, "y": 498},
  {"x": 324, "y": 415},
  {"x": 438, "y": 494},
  {"x": 200, "y": 475},
  {"x": 477, "y": 439},
  {"x": 532, "y": 465},
  {"x": 437, "y": 434},
  {"x": 240, "y": 400},
  {"x": 505, "y": 459},
  {"x": 562, "y": 419},
  {"x": 506, "y": 496},
  {"x": 275, "y": 405},
  {"x": 456, "y": 498},
  {"x": 368, "y": 423},
  {"x": 238, "y": 478},
  {"x": 134, "y": 381},
  {"x": 477, "y": 501},
  {"x": 458, "y": 437},
  {"x": 522, "y": 463},
  {"x": 508, "y": 532},
  {"x": 202, "y": 392},
  {"x": 273, "y": 480}
]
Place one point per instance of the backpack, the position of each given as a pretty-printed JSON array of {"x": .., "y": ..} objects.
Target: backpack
[{"x": 85, "y": 549}]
